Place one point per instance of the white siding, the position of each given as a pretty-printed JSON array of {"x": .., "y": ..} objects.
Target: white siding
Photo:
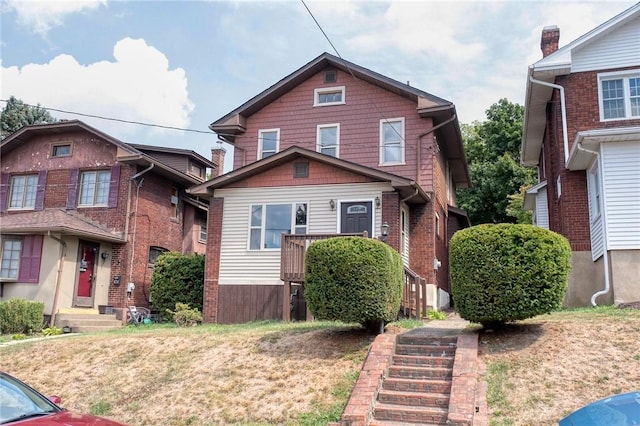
[
  {"x": 541, "y": 211},
  {"x": 241, "y": 266},
  {"x": 404, "y": 240},
  {"x": 621, "y": 176},
  {"x": 620, "y": 48}
]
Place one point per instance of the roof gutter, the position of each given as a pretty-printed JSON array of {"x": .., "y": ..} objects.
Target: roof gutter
[{"x": 564, "y": 114}]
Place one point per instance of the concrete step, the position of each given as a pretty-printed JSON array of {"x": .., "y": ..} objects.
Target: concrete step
[
  {"x": 425, "y": 350},
  {"x": 412, "y": 415},
  {"x": 426, "y": 340},
  {"x": 417, "y": 399},
  {"x": 421, "y": 360},
  {"x": 413, "y": 385},
  {"x": 413, "y": 372},
  {"x": 87, "y": 322}
]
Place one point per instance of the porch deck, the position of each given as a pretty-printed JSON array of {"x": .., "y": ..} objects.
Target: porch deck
[{"x": 292, "y": 266}]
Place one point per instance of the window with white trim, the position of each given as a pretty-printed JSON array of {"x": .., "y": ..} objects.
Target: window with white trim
[
  {"x": 94, "y": 188},
  {"x": 619, "y": 95},
  {"x": 392, "y": 141},
  {"x": 23, "y": 192},
  {"x": 327, "y": 96},
  {"x": 269, "y": 221},
  {"x": 328, "y": 139},
  {"x": 594, "y": 190},
  {"x": 268, "y": 142}
]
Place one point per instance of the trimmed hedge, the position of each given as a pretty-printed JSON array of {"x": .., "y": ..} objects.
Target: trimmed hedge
[
  {"x": 177, "y": 278},
  {"x": 21, "y": 316},
  {"x": 506, "y": 272},
  {"x": 353, "y": 279}
]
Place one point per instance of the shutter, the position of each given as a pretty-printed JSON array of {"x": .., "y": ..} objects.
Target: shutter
[
  {"x": 72, "y": 192},
  {"x": 114, "y": 186},
  {"x": 42, "y": 183},
  {"x": 30, "y": 259},
  {"x": 4, "y": 190}
]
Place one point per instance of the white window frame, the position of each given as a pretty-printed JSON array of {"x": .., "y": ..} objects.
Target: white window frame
[
  {"x": 261, "y": 227},
  {"x": 261, "y": 151},
  {"x": 383, "y": 142},
  {"x": 27, "y": 200},
  {"x": 336, "y": 146},
  {"x": 10, "y": 257},
  {"x": 595, "y": 192},
  {"x": 98, "y": 185},
  {"x": 327, "y": 90},
  {"x": 625, "y": 76},
  {"x": 202, "y": 231}
]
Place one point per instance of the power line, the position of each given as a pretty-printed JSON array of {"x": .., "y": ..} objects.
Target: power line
[{"x": 120, "y": 120}]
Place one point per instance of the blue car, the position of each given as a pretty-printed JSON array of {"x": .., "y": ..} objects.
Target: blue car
[{"x": 616, "y": 410}]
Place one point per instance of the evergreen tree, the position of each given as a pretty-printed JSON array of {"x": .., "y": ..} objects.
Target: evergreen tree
[{"x": 17, "y": 114}]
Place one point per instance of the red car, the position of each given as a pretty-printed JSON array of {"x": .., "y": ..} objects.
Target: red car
[{"x": 20, "y": 405}]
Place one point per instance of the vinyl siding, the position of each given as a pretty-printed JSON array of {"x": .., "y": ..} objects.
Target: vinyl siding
[
  {"x": 542, "y": 209},
  {"x": 596, "y": 229},
  {"x": 619, "y": 49},
  {"x": 238, "y": 265},
  {"x": 621, "y": 175}
]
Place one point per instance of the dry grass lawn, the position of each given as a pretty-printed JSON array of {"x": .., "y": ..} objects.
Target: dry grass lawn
[
  {"x": 544, "y": 368},
  {"x": 263, "y": 374}
]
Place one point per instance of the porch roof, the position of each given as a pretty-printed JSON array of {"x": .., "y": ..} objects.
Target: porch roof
[
  {"x": 57, "y": 221},
  {"x": 407, "y": 187}
]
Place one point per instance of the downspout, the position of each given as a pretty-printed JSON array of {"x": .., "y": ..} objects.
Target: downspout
[
  {"x": 564, "y": 114},
  {"x": 135, "y": 219},
  {"x": 63, "y": 254},
  {"x": 607, "y": 283}
]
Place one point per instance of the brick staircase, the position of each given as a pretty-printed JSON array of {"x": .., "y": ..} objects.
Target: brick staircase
[
  {"x": 417, "y": 386},
  {"x": 86, "y": 320}
]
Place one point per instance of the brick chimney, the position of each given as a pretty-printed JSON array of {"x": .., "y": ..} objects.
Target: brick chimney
[
  {"x": 549, "y": 40},
  {"x": 217, "y": 157}
]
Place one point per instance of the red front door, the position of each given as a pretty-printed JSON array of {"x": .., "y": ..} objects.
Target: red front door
[{"x": 86, "y": 274}]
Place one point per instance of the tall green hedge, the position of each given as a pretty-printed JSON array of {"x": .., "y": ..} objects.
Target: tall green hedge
[
  {"x": 353, "y": 279},
  {"x": 177, "y": 278},
  {"x": 21, "y": 316},
  {"x": 505, "y": 272}
]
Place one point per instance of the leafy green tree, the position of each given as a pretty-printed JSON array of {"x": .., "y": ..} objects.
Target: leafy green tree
[
  {"x": 515, "y": 207},
  {"x": 492, "y": 148},
  {"x": 17, "y": 114}
]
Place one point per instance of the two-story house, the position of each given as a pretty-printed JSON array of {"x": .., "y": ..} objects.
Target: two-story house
[
  {"x": 84, "y": 215},
  {"x": 331, "y": 148},
  {"x": 582, "y": 131}
]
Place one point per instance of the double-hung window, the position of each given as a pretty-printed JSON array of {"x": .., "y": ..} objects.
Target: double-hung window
[
  {"x": 94, "y": 188},
  {"x": 20, "y": 258},
  {"x": 23, "y": 192},
  {"x": 268, "y": 142},
  {"x": 392, "y": 141},
  {"x": 619, "y": 94},
  {"x": 11, "y": 249},
  {"x": 269, "y": 221},
  {"x": 328, "y": 139}
]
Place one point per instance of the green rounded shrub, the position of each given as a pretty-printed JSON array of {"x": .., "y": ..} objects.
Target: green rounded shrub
[
  {"x": 21, "y": 316},
  {"x": 177, "y": 278},
  {"x": 505, "y": 272},
  {"x": 353, "y": 279}
]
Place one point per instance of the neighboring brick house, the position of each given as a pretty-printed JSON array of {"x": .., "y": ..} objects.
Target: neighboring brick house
[
  {"x": 582, "y": 131},
  {"x": 331, "y": 148},
  {"x": 83, "y": 215}
]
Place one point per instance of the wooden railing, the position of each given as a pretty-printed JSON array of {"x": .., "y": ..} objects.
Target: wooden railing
[
  {"x": 414, "y": 295},
  {"x": 292, "y": 256}
]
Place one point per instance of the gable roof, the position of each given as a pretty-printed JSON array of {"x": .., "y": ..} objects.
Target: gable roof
[
  {"x": 406, "y": 187},
  {"x": 126, "y": 153},
  {"x": 428, "y": 105},
  {"x": 546, "y": 70}
]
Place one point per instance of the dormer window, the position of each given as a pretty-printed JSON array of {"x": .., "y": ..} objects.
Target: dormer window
[
  {"x": 329, "y": 96},
  {"x": 196, "y": 170}
]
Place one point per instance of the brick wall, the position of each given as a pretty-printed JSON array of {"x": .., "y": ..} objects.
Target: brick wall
[{"x": 212, "y": 261}]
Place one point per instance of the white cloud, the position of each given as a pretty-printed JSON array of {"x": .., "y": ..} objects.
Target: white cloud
[
  {"x": 41, "y": 16},
  {"x": 137, "y": 86}
]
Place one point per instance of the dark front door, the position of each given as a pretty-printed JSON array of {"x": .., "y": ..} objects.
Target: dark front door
[
  {"x": 86, "y": 274},
  {"x": 356, "y": 217}
]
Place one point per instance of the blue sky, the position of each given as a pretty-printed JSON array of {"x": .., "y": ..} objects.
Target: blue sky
[{"x": 187, "y": 63}]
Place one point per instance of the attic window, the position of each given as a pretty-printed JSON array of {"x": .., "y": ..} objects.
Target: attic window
[
  {"x": 61, "y": 150},
  {"x": 330, "y": 76},
  {"x": 196, "y": 170},
  {"x": 329, "y": 96},
  {"x": 300, "y": 170}
]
